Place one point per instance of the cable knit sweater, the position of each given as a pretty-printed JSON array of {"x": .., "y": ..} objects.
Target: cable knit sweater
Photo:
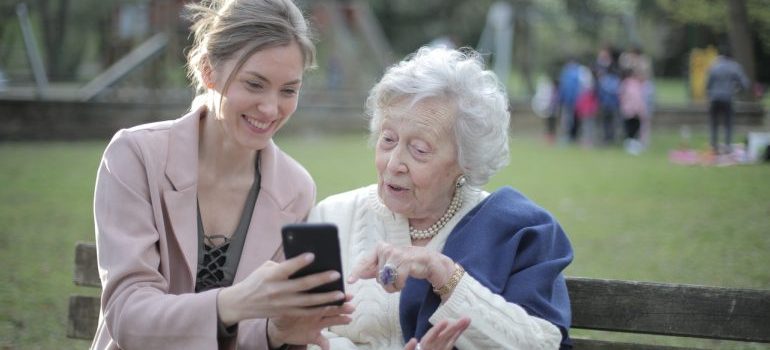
[{"x": 363, "y": 222}]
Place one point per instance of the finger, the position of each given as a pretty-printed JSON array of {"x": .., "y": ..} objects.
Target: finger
[
  {"x": 308, "y": 300},
  {"x": 290, "y": 266},
  {"x": 366, "y": 268},
  {"x": 411, "y": 345},
  {"x": 460, "y": 327},
  {"x": 321, "y": 341},
  {"x": 453, "y": 331},
  {"x": 344, "y": 309},
  {"x": 308, "y": 282},
  {"x": 334, "y": 321},
  {"x": 434, "y": 332}
]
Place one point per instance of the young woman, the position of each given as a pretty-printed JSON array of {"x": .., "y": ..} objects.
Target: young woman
[{"x": 188, "y": 212}]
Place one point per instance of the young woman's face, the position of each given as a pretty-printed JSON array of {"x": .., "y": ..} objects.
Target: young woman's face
[
  {"x": 262, "y": 95},
  {"x": 416, "y": 159}
]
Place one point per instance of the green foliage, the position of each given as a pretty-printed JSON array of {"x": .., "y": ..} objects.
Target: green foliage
[{"x": 711, "y": 13}]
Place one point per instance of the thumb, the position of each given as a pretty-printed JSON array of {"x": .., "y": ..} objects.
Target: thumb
[
  {"x": 321, "y": 341},
  {"x": 366, "y": 268},
  {"x": 411, "y": 344}
]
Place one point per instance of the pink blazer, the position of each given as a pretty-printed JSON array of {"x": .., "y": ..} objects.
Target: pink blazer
[{"x": 146, "y": 236}]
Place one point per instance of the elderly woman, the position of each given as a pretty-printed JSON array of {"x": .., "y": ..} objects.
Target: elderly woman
[{"x": 425, "y": 245}]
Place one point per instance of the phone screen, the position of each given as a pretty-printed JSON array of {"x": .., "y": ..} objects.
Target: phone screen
[{"x": 320, "y": 239}]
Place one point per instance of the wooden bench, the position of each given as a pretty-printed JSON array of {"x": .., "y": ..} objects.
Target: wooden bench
[{"x": 597, "y": 304}]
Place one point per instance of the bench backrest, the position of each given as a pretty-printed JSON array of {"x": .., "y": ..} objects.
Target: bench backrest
[{"x": 597, "y": 304}]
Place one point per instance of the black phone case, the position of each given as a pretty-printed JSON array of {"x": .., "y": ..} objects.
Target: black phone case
[{"x": 320, "y": 239}]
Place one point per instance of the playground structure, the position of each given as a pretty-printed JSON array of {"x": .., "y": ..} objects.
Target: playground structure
[{"x": 353, "y": 51}]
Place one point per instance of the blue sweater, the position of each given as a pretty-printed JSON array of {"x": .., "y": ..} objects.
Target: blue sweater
[
  {"x": 725, "y": 79},
  {"x": 514, "y": 248}
]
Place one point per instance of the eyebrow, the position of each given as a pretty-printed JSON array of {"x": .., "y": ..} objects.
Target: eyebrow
[{"x": 263, "y": 78}]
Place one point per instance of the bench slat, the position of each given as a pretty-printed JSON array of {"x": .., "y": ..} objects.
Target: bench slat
[
  {"x": 86, "y": 271},
  {"x": 83, "y": 317},
  {"x": 592, "y": 344},
  {"x": 670, "y": 309}
]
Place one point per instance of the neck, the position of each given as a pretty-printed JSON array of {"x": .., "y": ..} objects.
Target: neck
[
  {"x": 427, "y": 232},
  {"x": 218, "y": 153}
]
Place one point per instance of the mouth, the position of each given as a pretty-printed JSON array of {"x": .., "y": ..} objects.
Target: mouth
[
  {"x": 396, "y": 188},
  {"x": 257, "y": 125}
]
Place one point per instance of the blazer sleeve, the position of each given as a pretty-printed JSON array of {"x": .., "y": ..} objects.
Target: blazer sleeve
[{"x": 138, "y": 309}]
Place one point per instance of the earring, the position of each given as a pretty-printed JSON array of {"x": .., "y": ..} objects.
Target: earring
[{"x": 460, "y": 181}]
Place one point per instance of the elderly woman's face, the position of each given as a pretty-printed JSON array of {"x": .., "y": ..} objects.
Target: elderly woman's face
[{"x": 416, "y": 159}]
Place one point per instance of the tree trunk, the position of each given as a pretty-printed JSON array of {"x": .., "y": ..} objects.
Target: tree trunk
[
  {"x": 522, "y": 43},
  {"x": 740, "y": 38}
]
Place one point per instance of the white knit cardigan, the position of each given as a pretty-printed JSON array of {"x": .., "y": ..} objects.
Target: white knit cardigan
[{"x": 363, "y": 222}]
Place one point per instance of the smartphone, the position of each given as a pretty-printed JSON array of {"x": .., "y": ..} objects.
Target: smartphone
[{"x": 320, "y": 239}]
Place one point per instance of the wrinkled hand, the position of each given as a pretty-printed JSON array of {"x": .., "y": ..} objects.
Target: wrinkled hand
[
  {"x": 307, "y": 329},
  {"x": 268, "y": 292},
  {"x": 409, "y": 261},
  {"x": 441, "y": 337}
]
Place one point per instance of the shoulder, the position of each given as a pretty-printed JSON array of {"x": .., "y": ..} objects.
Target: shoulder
[
  {"x": 353, "y": 198},
  {"x": 290, "y": 169},
  {"x": 344, "y": 204},
  {"x": 151, "y": 140},
  {"x": 135, "y": 141},
  {"x": 509, "y": 201},
  {"x": 286, "y": 181}
]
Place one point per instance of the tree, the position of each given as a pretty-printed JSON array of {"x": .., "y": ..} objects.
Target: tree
[{"x": 740, "y": 20}]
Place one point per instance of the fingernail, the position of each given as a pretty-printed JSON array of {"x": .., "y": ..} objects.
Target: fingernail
[
  {"x": 334, "y": 276},
  {"x": 340, "y": 295},
  {"x": 309, "y": 257}
]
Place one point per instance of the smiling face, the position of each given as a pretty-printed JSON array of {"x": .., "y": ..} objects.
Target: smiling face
[
  {"x": 261, "y": 96},
  {"x": 416, "y": 160}
]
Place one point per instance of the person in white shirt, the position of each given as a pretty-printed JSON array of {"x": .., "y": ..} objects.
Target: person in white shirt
[{"x": 428, "y": 255}]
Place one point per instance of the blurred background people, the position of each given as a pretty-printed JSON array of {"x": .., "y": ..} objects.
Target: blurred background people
[{"x": 725, "y": 79}]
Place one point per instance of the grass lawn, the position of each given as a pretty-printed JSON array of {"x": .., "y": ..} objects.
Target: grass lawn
[{"x": 638, "y": 218}]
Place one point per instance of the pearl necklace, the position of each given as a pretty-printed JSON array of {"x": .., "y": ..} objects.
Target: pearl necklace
[{"x": 431, "y": 231}]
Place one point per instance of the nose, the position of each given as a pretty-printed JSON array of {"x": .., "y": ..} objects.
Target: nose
[
  {"x": 268, "y": 105},
  {"x": 396, "y": 162}
]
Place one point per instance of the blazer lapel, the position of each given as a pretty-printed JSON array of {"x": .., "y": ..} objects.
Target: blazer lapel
[
  {"x": 264, "y": 237},
  {"x": 182, "y": 172}
]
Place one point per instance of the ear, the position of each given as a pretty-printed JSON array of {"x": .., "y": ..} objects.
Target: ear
[{"x": 207, "y": 73}]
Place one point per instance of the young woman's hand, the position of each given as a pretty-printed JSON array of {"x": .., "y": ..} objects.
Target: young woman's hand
[
  {"x": 268, "y": 293},
  {"x": 307, "y": 330},
  {"x": 441, "y": 337}
]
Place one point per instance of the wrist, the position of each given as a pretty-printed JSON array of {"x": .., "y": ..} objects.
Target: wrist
[
  {"x": 441, "y": 272},
  {"x": 228, "y": 314},
  {"x": 445, "y": 290},
  {"x": 273, "y": 338}
]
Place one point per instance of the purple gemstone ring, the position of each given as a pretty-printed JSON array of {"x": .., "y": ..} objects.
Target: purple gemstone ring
[{"x": 387, "y": 275}]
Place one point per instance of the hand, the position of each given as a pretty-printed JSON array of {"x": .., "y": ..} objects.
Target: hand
[
  {"x": 307, "y": 330},
  {"x": 410, "y": 261},
  {"x": 441, "y": 337},
  {"x": 268, "y": 292}
]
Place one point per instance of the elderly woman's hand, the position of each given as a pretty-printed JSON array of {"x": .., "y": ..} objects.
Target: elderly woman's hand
[
  {"x": 442, "y": 336},
  {"x": 406, "y": 261}
]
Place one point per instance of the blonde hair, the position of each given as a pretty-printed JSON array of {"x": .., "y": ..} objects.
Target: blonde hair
[{"x": 222, "y": 28}]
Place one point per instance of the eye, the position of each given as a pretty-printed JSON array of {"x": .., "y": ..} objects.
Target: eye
[
  {"x": 254, "y": 84},
  {"x": 289, "y": 92},
  {"x": 420, "y": 151},
  {"x": 387, "y": 140}
]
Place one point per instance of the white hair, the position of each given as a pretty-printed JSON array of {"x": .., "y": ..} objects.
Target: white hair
[{"x": 459, "y": 78}]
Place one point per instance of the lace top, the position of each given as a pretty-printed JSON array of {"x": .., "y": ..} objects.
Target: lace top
[{"x": 217, "y": 263}]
